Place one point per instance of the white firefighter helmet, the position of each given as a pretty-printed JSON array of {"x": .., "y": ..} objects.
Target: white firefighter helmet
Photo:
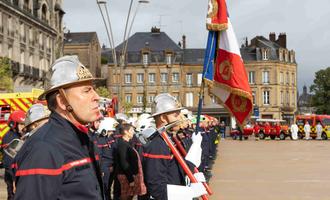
[
  {"x": 36, "y": 113},
  {"x": 107, "y": 124},
  {"x": 144, "y": 121},
  {"x": 165, "y": 103},
  {"x": 65, "y": 72},
  {"x": 121, "y": 116},
  {"x": 132, "y": 121}
]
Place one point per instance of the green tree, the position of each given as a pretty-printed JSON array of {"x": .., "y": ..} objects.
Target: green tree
[
  {"x": 104, "y": 60},
  {"x": 127, "y": 107},
  {"x": 103, "y": 92},
  {"x": 6, "y": 81},
  {"x": 321, "y": 91}
]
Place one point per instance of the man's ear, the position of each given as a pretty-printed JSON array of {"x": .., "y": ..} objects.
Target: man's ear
[
  {"x": 163, "y": 119},
  {"x": 60, "y": 102}
]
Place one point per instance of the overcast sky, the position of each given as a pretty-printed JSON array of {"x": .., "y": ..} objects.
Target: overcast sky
[{"x": 306, "y": 23}]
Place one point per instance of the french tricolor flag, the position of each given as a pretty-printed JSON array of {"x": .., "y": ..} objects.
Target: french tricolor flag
[{"x": 223, "y": 67}]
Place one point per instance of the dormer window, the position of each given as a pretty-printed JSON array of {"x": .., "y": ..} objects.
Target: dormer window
[
  {"x": 145, "y": 59},
  {"x": 286, "y": 56},
  {"x": 168, "y": 59},
  {"x": 291, "y": 56},
  {"x": 280, "y": 55},
  {"x": 265, "y": 55},
  {"x": 27, "y": 6}
]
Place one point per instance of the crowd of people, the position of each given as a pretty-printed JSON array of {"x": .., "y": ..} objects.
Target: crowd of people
[{"x": 70, "y": 151}]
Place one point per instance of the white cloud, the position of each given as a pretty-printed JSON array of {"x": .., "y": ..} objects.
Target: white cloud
[{"x": 306, "y": 23}]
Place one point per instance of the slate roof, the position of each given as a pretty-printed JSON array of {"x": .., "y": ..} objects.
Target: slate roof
[
  {"x": 79, "y": 37},
  {"x": 155, "y": 41},
  {"x": 158, "y": 43},
  {"x": 194, "y": 56},
  {"x": 253, "y": 51}
]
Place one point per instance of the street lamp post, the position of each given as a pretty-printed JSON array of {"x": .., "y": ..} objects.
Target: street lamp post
[
  {"x": 107, "y": 24},
  {"x": 126, "y": 36}
]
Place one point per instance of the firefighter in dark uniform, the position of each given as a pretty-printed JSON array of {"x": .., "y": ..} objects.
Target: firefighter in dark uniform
[
  {"x": 58, "y": 161},
  {"x": 162, "y": 171},
  {"x": 105, "y": 143},
  {"x": 16, "y": 125}
]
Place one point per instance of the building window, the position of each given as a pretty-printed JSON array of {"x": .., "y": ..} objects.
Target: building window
[
  {"x": 287, "y": 78},
  {"x": 281, "y": 78},
  {"x": 1, "y": 28},
  {"x": 293, "y": 79},
  {"x": 44, "y": 13},
  {"x": 265, "y": 77},
  {"x": 251, "y": 77},
  {"x": 31, "y": 35},
  {"x": 26, "y": 6},
  {"x": 145, "y": 59},
  {"x": 175, "y": 77},
  {"x": 266, "y": 97},
  {"x": 10, "y": 51},
  {"x": 10, "y": 25},
  {"x": 22, "y": 32},
  {"x": 128, "y": 98},
  {"x": 31, "y": 60},
  {"x": 265, "y": 55},
  {"x": 128, "y": 78},
  {"x": 163, "y": 77},
  {"x": 254, "y": 97},
  {"x": 282, "y": 98},
  {"x": 41, "y": 40},
  {"x": 293, "y": 99},
  {"x": 140, "y": 78},
  {"x": 292, "y": 57},
  {"x": 287, "y": 98},
  {"x": 176, "y": 96},
  {"x": 189, "y": 79},
  {"x": 281, "y": 55},
  {"x": 199, "y": 79},
  {"x": 151, "y": 98},
  {"x": 168, "y": 59},
  {"x": 139, "y": 99},
  {"x": 286, "y": 56},
  {"x": 152, "y": 78},
  {"x": 189, "y": 99}
]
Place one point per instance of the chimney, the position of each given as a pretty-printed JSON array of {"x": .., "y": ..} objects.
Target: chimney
[
  {"x": 272, "y": 36},
  {"x": 281, "y": 40},
  {"x": 183, "y": 42},
  {"x": 246, "y": 41},
  {"x": 155, "y": 30}
]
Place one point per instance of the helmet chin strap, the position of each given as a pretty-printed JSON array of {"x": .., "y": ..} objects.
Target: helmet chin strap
[{"x": 68, "y": 106}]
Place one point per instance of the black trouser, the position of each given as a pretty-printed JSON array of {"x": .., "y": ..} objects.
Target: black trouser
[{"x": 9, "y": 181}]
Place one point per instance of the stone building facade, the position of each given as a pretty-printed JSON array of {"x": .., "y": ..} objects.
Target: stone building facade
[
  {"x": 87, "y": 47},
  {"x": 272, "y": 73},
  {"x": 305, "y": 103},
  {"x": 155, "y": 64},
  {"x": 31, "y": 36}
]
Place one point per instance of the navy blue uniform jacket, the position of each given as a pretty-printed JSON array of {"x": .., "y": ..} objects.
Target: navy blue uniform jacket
[
  {"x": 7, "y": 160},
  {"x": 58, "y": 162},
  {"x": 161, "y": 168}
]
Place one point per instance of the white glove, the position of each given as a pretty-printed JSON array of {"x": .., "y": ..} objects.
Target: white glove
[
  {"x": 198, "y": 189},
  {"x": 197, "y": 138},
  {"x": 175, "y": 192},
  {"x": 194, "y": 154},
  {"x": 200, "y": 177}
]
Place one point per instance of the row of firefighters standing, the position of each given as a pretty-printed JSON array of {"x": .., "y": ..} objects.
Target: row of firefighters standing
[{"x": 60, "y": 157}]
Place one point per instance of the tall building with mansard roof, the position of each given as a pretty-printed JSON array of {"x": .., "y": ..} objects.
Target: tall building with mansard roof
[
  {"x": 31, "y": 36},
  {"x": 155, "y": 64},
  {"x": 272, "y": 73}
]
